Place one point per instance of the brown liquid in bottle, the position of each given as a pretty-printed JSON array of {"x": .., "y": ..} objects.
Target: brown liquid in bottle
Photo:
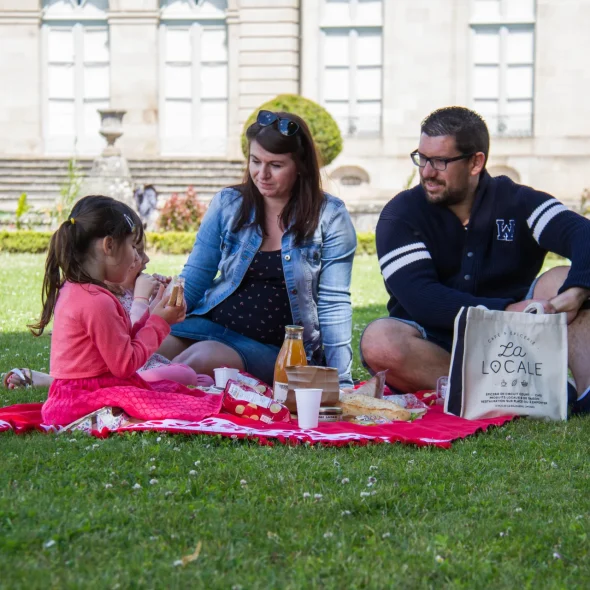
[{"x": 292, "y": 354}]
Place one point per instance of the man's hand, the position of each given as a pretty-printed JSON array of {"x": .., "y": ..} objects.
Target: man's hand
[
  {"x": 548, "y": 306},
  {"x": 570, "y": 301}
]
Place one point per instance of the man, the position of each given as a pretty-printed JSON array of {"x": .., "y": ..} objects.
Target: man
[{"x": 463, "y": 238}]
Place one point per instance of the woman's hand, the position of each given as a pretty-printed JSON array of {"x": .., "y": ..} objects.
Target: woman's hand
[
  {"x": 145, "y": 286},
  {"x": 171, "y": 314}
]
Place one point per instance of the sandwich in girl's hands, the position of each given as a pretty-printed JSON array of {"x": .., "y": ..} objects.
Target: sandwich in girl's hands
[{"x": 176, "y": 291}]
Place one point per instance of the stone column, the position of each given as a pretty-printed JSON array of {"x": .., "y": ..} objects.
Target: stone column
[
  {"x": 20, "y": 72},
  {"x": 234, "y": 127},
  {"x": 269, "y": 52},
  {"x": 134, "y": 42}
]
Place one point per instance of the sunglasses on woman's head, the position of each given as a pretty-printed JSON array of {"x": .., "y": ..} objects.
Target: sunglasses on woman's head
[{"x": 285, "y": 126}]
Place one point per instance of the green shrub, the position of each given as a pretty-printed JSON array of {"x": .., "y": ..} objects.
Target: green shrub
[
  {"x": 22, "y": 207},
  {"x": 366, "y": 243},
  {"x": 324, "y": 130},
  {"x": 172, "y": 242},
  {"x": 181, "y": 213},
  {"x": 24, "y": 241}
]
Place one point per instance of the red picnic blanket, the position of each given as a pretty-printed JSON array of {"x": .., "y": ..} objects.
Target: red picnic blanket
[{"x": 435, "y": 428}]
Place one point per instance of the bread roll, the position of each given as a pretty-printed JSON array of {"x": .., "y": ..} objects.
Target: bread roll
[{"x": 359, "y": 405}]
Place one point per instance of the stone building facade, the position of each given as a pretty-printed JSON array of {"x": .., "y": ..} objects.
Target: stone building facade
[{"x": 189, "y": 73}]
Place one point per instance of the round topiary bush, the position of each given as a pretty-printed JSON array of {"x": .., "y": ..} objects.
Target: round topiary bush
[{"x": 324, "y": 129}]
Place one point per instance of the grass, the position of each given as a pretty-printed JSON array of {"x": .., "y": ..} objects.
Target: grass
[{"x": 508, "y": 509}]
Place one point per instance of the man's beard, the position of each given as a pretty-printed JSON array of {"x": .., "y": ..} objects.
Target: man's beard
[{"x": 447, "y": 197}]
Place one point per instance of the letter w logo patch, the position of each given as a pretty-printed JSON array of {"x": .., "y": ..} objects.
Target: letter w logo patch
[{"x": 505, "y": 230}]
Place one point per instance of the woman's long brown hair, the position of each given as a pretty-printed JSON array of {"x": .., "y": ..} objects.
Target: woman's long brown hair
[
  {"x": 92, "y": 217},
  {"x": 302, "y": 213}
]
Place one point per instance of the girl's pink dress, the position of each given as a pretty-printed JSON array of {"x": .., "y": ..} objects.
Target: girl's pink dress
[{"x": 95, "y": 355}]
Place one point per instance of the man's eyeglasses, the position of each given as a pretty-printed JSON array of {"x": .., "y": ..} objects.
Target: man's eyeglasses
[
  {"x": 285, "y": 126},
  {"x": 439, "y": 164}
]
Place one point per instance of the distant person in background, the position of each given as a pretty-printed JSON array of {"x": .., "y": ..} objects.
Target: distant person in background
[{"x": 146, "y": 201}]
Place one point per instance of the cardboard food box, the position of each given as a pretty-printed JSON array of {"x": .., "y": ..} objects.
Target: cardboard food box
[{"x": 324, "y": 378}]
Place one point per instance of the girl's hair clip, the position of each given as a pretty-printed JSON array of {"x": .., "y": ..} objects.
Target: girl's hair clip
[
  {"x": 72, "y": 220},
  {"x": 129, "y": 221}
]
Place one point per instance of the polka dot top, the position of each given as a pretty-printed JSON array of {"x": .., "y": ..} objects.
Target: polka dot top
[{"x": 259, "y": 308}]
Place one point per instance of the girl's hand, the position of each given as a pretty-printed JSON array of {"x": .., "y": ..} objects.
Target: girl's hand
[
  {"x": 170, "y": 314},
  {"x": 157, "y": 298},
  {"x": 162, "y": 279},
  {"x": 145, "y": 286}
]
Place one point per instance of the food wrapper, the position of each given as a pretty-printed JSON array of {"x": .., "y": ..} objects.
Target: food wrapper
[
  {"x": 373, "y": 387},
  {"x": 310, "y": 377},
  {"x": 244, "y": 401},
  {"x": 176, "y": 291},
  {"x": 254, "y": 383}
]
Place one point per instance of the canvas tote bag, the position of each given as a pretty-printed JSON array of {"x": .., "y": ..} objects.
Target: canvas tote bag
[{"x": 508, "y": 363}]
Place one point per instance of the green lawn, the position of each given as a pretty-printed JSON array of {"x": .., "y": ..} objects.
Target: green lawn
[{"x": 508, "y": 509}]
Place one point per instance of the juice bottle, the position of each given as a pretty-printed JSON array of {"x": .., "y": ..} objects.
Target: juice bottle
[{"x": 292, "y": 354}]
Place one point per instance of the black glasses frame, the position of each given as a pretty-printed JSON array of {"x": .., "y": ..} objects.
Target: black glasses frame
[
  {"x": 286, "y": 126},
  {"x": 416, "y": 156}
]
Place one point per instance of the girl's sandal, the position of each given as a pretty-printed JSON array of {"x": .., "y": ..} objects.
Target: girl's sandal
[{"x": 25, "y": 375}]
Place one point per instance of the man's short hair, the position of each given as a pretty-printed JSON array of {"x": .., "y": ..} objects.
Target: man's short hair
[{"x": 466, "y": 126}]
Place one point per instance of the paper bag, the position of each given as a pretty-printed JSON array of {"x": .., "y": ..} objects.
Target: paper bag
[
  {"x": 323, "y": 378},
  {"x": 508, "y": 363}
]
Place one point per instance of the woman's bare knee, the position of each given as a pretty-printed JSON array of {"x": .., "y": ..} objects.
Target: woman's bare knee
[
  {"x": 203, "y": 357},
  {"x": 173, "y": 346}
]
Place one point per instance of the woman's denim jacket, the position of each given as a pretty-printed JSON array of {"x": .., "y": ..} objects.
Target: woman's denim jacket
[{"x": 317, "y": 274}]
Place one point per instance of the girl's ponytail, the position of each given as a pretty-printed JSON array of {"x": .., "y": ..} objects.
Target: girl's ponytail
[
  {"x": 92, "y": 217},
  {"x": 52, "y": 281}
]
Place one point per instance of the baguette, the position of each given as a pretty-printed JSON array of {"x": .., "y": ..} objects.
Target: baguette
[{"x": 359, "y": 405}]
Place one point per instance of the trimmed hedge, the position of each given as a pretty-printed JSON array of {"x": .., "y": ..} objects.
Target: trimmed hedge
[
  {"x": 34, "y": 242},
  {"x": 29, "y": 241},
  {"x": 171, "y": 242},
  {"x": 324, "y": 129}
]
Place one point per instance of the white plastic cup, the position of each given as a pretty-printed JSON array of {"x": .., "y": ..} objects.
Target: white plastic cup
[
  {"x": 308, "y": 407},
  {"x": 223, "y": 375}
]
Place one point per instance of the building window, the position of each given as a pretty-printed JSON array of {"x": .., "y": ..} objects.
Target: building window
[
  {"x": 352, "y": 64},
  {"x": 193, "y": 104},
  {"x": 503, "y": 63},
  {"x": 76, "y": 70}
]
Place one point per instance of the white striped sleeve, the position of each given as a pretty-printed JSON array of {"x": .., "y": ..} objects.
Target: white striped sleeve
[
  {"x": 401, "y": 257},
  {"x": 542, "y": 215}
]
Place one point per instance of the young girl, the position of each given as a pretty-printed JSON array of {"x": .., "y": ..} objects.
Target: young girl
[
  {"x": 95, "y": 352},
  {"x": 134, "y": 295}
]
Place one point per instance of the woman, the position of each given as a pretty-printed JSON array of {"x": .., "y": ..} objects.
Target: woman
[{"x": 273, "y": 251}]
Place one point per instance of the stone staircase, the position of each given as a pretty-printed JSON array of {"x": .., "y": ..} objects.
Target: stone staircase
[{"x": 42, "y": 178}]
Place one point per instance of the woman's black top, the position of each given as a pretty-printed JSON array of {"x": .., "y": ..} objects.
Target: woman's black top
[{"x": 259, "y": 308}]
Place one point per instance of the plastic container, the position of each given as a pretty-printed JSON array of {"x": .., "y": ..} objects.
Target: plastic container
[{"x": 223, "y": 375}]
